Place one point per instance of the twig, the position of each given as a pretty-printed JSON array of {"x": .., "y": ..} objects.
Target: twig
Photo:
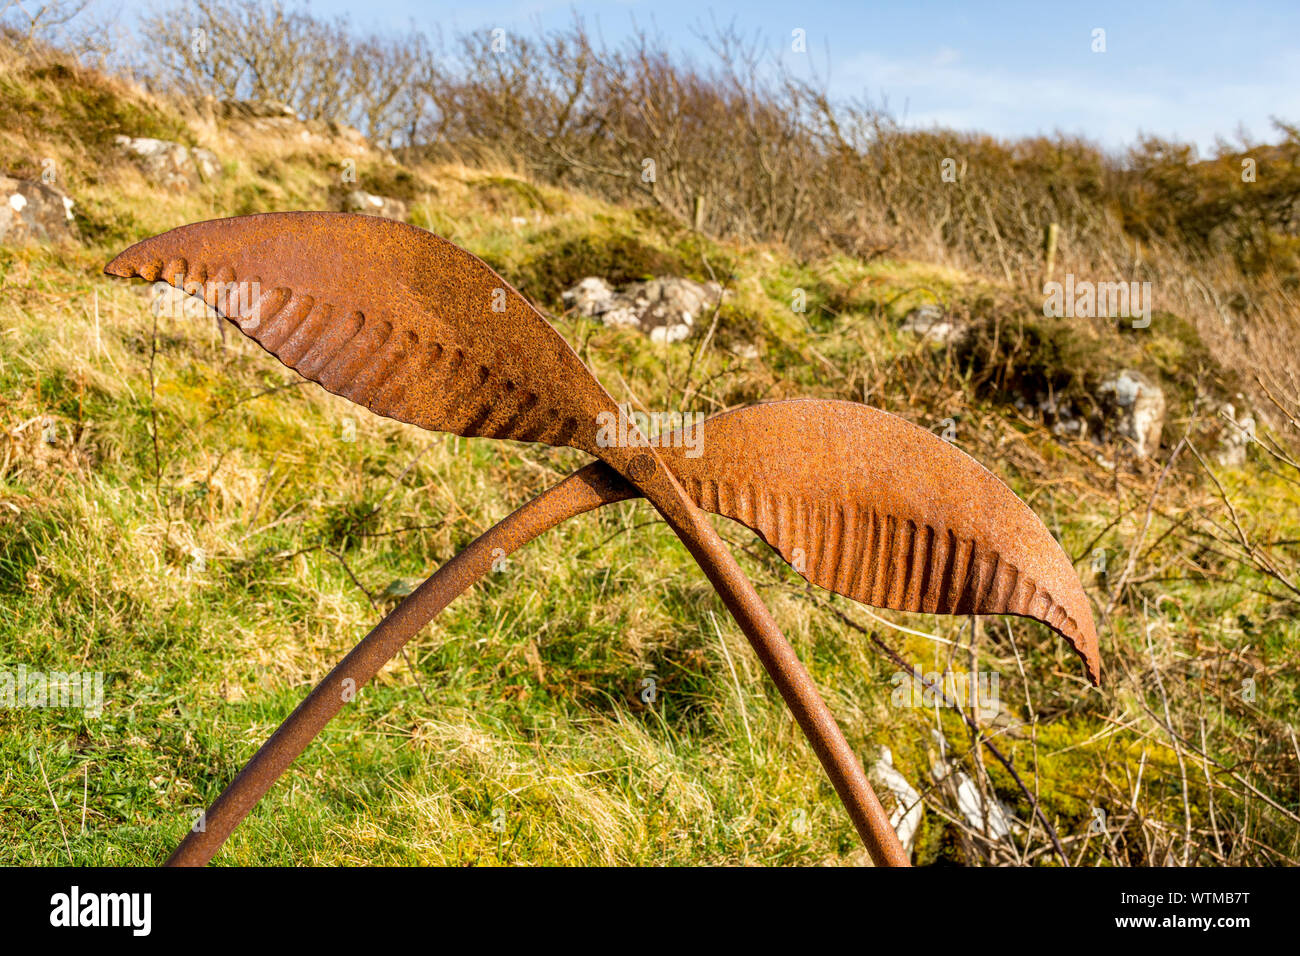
[
  {"x": 1209, "y": 787},
  {"x": 375, "y": 604},
  {"x": 708, "y": 336},
  {"x": 1178, "y": 752},
  {"x": 1261, "y": 561},
  {"x": 1146, "y": 524},
  {"x": 57, "y": 815},
  {"x": 997, "y": 754}
]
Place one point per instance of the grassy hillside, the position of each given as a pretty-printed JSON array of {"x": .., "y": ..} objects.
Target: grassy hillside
[{"x": 181, "y": 513}]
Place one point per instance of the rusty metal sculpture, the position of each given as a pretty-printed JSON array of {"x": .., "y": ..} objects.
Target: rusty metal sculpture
[
  {"x": 849, "y": 557},
  {"x": 445, "y": 343}
]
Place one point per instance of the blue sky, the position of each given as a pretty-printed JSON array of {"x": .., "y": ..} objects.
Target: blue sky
[{"x": 1187, "y": 70}]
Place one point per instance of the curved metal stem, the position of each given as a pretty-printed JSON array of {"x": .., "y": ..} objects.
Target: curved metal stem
[{"x": 589, "y": 488}]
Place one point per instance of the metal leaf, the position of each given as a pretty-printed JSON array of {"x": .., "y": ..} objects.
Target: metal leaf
[
  {"x": 872, "y": 507},
  {"x": 389, "y": 316}
]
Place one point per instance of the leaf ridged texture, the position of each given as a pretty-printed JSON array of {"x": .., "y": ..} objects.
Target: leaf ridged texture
[
  {"x": 880, "y": 559},
  {"x": 369, "y": 362}
]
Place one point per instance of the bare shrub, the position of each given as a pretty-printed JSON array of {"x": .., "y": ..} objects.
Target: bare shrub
[{"x": 244, "y": 49}]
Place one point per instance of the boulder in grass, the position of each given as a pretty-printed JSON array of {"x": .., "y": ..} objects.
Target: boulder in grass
[
  {"x": 1236, "y": 434},
  {"x": 170, "y": 165},
  {"x": 385, "y": 206},
  {"x": 1133, "y": 409},
  {"x": 983, "y": 814},
  {"x": 592, "y": 297},
  {"x": 34, "y": 212},
  {"x": 665, "y": 309},
  {"x": 932, "y": 323},
  {"x": 905, "y": 818},
  {"x": 206, "y": 162}
]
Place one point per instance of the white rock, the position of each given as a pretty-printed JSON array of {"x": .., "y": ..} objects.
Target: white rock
[
  {"x": 34, "y": 211},
  {"x": 1134, "y": 409},
  {"x": 971, "y": 803},
  {"x": 359, "y": 200},
  {"x": 669, "y": 333},
  {"x": 170, "y": 164},
  {"x": 206, "y": 162},
  {"x": 1236, "y": 436},
  {"x": 906, "y": 815},
  {"x": 664, "y": 309},
  {"x": 931, "y": 323},
  {"x": 592, "y": 297},
  {"x": 622, "y": 316}
]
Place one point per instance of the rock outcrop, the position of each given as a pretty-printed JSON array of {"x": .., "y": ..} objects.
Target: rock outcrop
[
  {"x": 1133, "y": 409},
  {"x": 360, "y": 201},
  {"x": 34, "y": 212},
  {"x": 933, "y": 324},
  {"x": 908, "y": 806},
  {"x": 665, "y": 309},
  {"x": 169, "y": 164},
  {"x": 1235, "y": 436}
]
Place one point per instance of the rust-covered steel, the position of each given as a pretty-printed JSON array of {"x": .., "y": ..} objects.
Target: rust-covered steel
[
  {"x": 414, "y": 328},
  {"x": 870, "y": 506}
]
